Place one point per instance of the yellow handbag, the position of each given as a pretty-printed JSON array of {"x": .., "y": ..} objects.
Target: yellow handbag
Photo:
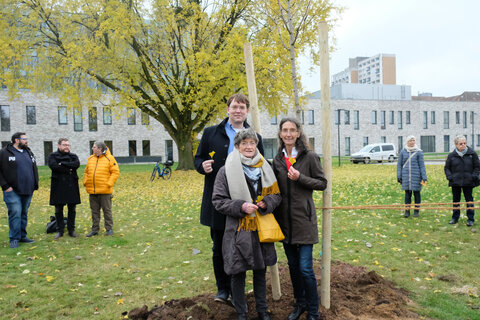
[{"x": 268, "y": 228}]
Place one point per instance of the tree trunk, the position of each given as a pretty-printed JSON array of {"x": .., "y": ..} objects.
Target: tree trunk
[
  {"x": 292, "y": 61},
  {"x": 185, "y": 155}
]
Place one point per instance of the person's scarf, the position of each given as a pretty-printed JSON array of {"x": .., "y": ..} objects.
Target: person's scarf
[
  {"x": 461, "y": 153},
  {"x": 412, "y": 149},
  {"x": 237, "y": 184}
]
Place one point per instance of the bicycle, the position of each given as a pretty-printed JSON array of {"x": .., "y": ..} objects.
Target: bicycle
[{"x": 164, "y": 171}]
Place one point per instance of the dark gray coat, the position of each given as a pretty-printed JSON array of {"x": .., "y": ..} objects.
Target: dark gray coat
[
  {"x": 296, "y": 214},
  {"x": 241, "y": 249},
  {"x": 462, "y": 171},
  {"x": 412, "y": 172}
]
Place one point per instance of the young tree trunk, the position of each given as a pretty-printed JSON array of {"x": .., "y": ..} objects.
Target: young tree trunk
[
  {"x": 185, "y": 153},
  {"x": 292, "y": 61}
]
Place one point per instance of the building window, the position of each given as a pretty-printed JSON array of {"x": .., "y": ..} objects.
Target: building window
[
  {"x": 107, "y": 115},
  {"x": 31, "y": 115},
  {"x": 407, "y": 117},
  {"x": 356, "y": 120},
  {"x": 311, "y": 142},
  {"x": 302, "y": 117},
  {"x": 47, "y": 150},
  {"x": 91, "y": 146},
  {"x": 337, "y": 117},
  {"x": 464, "y": 119},
  {"x": 392, "y": 117},
  {"x": 457, "y": 117},
  {"x": 374, "y": 117},
  {"x": 446, "y": 119},
  {"x": 274, "y": 120},
  {"x": 400, "y": 120},
  {"x": 400, "y": 142},
  {"x": 365, "y": 141},
  {"x": 472, "y": 118},
  {"x": 5, "y": 118},
  {"x": 169, "y": 149},
  {"x": 132, "y": 148},
  {"x": 432, "y": 117},
  {"x": 77, "y": 120},
  {"x": 383, "y": 139},
  {"x": 270, "y": 148},
  {"x": 62, "y": 115},
  {"x": 382, "y": 119},
  {"x": 478, "y": 140},
  {"x": 131, "y": 116},
  {"x": 446, "y": 143},
  {"x": 427, "y": 143},
  {"x": 425, "y": 119},
  {"x": 92, "y": 119},
  {"x": 145, "y": 119},
  {"x": 146, "y": 147},
  {"x": 347, "y": 116},
  {"x": 109, "y": 144},
  {"x": 311, "y": 117},
  {"x": 347, "y": 146}
]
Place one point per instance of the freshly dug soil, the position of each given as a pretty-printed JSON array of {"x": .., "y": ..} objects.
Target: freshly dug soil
[{"x": 355, "y": 294}]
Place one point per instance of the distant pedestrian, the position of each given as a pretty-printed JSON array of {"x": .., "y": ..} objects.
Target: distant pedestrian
[
  {"x": 64, "y": 186},
  {"x": 411, "y": 174},
  {"x": 462, "y": 170},
  {"x": 100, "y": 175},
  {"x": 18, "y": 178}
]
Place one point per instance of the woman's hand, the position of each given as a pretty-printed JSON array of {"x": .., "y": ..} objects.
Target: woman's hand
[
  {"x": 293, "y": 174},
  {"x": 249, "y": 208},
  {"x": 262, "y": 204}
]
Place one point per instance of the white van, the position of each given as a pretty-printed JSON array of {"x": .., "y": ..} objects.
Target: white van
[{"x": 375, "y": 152}]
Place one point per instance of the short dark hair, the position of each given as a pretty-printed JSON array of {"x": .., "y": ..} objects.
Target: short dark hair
[
  {"x": 301, "y": 143},
  {"x": 17, "y": 135},
  {"x": 61, "y": 140},
  {"x": 239, "y": 97}
]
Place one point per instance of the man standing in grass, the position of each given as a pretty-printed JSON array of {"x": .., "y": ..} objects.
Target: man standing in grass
[
  {"x": 18, "y": 178},
  {"x": 100, "y": 175},
  {"x": 214, "y": 147}
]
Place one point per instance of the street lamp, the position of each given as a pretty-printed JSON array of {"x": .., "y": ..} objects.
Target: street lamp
[{"x": 338, "y": 133}]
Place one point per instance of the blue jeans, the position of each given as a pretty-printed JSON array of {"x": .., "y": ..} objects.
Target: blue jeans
[
  {"x": 303, "y": 278},
  {"x": 17, "y": 214}
]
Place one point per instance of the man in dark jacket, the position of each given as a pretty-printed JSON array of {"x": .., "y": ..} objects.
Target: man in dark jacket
[
  {"x": 214, "y": 147},
  {"x": 64, "y": 186},
  {"x": 18, "y": 178}
]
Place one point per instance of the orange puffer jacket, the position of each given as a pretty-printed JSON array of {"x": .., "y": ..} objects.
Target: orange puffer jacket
[{"x": 101, "y": 173}]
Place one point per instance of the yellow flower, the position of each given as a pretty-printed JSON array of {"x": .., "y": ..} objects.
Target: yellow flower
[
  {"x": 212, "y": 154},
  {"x": 292, "y": 160}
]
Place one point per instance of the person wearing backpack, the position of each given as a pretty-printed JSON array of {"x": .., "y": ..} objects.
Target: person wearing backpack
[{"x": 411, "y": 174}]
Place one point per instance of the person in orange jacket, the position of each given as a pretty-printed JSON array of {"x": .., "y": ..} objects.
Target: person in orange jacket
[{"x": 100, "y": 175}]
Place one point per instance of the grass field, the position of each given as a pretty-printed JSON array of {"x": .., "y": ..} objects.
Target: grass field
[{"x": 160, "y": 251}]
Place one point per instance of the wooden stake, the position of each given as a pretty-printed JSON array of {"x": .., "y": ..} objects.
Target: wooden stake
[
  {"x": 252, "y": 96},
  {"x": 327, "y": 164}
]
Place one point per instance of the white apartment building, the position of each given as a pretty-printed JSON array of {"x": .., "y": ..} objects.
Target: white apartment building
[{"x": 378, "y": 69}]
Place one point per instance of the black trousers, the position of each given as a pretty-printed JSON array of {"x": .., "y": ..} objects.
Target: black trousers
[
  {"x": 70, "y": 219},
  {"x": 457, "y": 194},
  {"x": 259, "y": 291},
  {"x": 222, "y": 279},
  {"x": 408, "y": 199}
]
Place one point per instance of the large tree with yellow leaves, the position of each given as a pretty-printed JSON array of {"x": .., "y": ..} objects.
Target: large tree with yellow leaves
[{"x": 176, "y": 60}]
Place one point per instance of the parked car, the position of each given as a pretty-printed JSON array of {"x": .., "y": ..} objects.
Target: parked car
[{"x": 375, "y": 152}]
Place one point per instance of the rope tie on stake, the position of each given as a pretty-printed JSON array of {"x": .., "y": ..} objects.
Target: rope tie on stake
[{"x": 426, "y": 206}]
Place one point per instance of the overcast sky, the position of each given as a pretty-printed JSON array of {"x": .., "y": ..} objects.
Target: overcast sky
[{"x": 436, "y": 43}]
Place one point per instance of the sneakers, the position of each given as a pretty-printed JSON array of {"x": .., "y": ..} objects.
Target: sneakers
[
  {"x": 109, "y": 233},
  {"x": 13, "y": 244},
  {"x": 72, "y": 234},
  {"x": 453, "y": 221},
  {"x": 222, "y": 296},
  {"x": 91, "y": 234},
  {"x": 58, "y": 235},
  {"x": 26, "y": 240},
  {"x": 470, "y": 223}
]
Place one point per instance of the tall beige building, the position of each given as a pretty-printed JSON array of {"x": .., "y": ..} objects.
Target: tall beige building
[{"x": 378, "y": 69}]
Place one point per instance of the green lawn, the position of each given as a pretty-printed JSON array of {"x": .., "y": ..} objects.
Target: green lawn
[{"x": 160, "y": 251}]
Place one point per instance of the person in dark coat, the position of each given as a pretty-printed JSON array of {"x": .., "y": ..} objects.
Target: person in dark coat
[
  {"x": 462, "y": 170},
  {"x": 299, "y": 172},
  {"x": 411, "y": 173},
  {"x": 18, "y": 178},
  {"x": 214, "y": 147},
  {"x": 246, "y": 176},
  {"x": 64, "y": 186}
]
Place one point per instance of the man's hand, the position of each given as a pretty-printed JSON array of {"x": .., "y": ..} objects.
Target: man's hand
[
  {"x": 207, "y": 166},
  {"x": 10, "y": 189}
]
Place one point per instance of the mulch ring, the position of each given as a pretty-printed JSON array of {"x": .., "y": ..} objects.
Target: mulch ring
[{"x": 355, "y": 294}]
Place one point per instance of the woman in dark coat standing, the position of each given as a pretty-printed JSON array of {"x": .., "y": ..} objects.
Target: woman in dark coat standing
[
  {"x": 299, "y": 172},
  {"x": 411, "y": 173},
  {"x": 462, "y": 170},
  {"x": 246, "y": 176},
  {"x": 64, "y": 186}
]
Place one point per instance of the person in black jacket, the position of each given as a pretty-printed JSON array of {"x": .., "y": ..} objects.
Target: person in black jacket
[
  {"x": 462, "y": 170},
  {"x": 18, "y": 178},
  {"x": 64, "y": 186},
  {"x": 214, "y": 147}
]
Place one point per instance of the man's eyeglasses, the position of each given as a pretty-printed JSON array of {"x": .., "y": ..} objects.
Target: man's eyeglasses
[{"x": 24, "y": 139}]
